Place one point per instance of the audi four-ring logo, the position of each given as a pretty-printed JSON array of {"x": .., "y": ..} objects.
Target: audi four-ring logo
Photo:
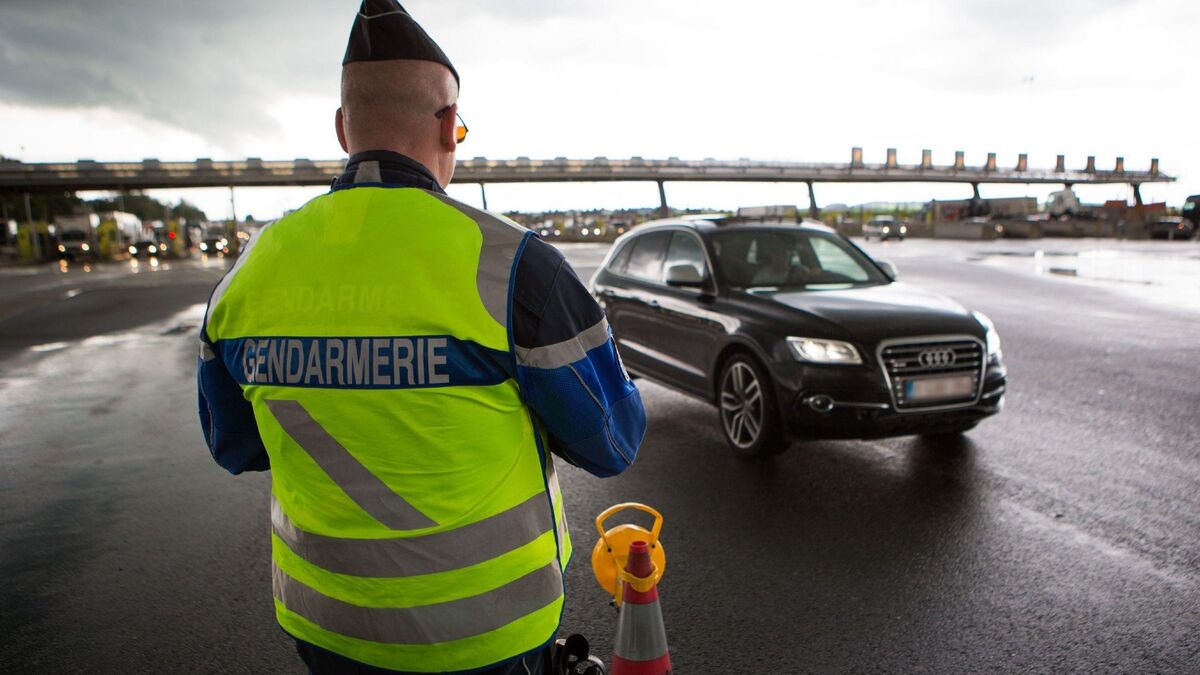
[{"x": 936, "y": 358}]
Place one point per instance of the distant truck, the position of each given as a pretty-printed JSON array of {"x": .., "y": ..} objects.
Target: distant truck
[
  {"x": 964, "y": 209},
  {"x": 77, "y": 236},
  {"x": 1191, "y": 210},
  {"x": 1064, "y": 203}
]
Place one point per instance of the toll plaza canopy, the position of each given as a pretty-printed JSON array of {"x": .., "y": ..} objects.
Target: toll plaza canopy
[{"x": 147, "y": 174}]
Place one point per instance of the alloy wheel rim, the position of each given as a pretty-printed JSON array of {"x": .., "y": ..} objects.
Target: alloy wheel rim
[{"x": 742, "y": 405}]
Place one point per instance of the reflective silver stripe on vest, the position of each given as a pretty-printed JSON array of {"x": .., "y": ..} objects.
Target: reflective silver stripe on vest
[
  {"x": 555, "y": 491},
  {"x": 427, "y": 624},
  {"x": 500, "y": 243},
  {"x": 640, "y": 634},
  {"x": 363, "y": 487},
  {"x": 426, "y": 554},
  {"x": 566, "y": 352}
]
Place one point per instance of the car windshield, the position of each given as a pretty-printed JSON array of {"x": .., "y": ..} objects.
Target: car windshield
[{"x": 771, "y": 259}]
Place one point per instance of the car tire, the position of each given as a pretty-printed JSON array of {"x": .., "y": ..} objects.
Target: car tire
[{"x": 747, "y": 410}]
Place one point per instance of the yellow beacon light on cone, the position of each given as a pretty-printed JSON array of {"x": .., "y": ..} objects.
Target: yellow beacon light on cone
[{"x": 612, "y": 551}]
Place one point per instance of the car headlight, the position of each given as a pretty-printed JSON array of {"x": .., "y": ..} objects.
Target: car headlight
[
  {"x": 203, "y": 246},
  {"x": 154, "y": 249},
  {"x": 993, "y": 338},
  {"x": 903, "y": 229},
  {"x": 133, "y": 250},
  {"x": 86, "y": 247},
  {"x": 886, "y": 229},
  {"x": 823, "y": 351},
  {"x": 61, "y": 248}
]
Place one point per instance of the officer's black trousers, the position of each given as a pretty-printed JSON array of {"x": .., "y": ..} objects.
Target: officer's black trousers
[{"x": 324, "y": 662}]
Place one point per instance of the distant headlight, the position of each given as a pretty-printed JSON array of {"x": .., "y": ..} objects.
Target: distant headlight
[
  {"x": 886, "y": 229},
  {"x": 61, "y": 248},
  {"x": 903, "y": 229},
  {"x": 133, "y": 250},
  {"x": 823, "y": 351},
  {"x": 154, "y": 249},
  {"x": 993, "y": 338},
  {"x": 203, "y": 246},
  {"x": 86, "y": 247}
]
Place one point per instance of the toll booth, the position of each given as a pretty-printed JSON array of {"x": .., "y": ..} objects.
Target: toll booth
[{"x": 35, "y": 241}]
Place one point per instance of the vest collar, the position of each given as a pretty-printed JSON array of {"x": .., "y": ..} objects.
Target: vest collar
[{"x": 384, "y": 167}]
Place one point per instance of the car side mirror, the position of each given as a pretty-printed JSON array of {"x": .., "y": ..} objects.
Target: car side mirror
[
  {"x": 683, "y": 274},
  {"x": 888, "y": 268}
]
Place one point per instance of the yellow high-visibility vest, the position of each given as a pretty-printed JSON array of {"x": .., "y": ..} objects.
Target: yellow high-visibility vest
[{"x": 417, "y": 520}]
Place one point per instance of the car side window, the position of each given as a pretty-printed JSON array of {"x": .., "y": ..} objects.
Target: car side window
[
  {"x": 646, "y": 260},
  {"x": 835, "y": 260},
  {"x": 620, "y": 261},
  {"x": 685, "y": 249}
]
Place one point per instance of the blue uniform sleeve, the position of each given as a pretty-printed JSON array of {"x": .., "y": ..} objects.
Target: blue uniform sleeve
[
  {"x": 226, "y": 416},
  {"x": 568, "y": 367}
]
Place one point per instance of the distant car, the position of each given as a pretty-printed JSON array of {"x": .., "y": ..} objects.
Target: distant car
[
  {"x": 1171, "y": 227},
  {"x": 213, "y": 245},
  {"x": 884, "y": 228},
  {"x": 791, "y": 331},
  {"x": 146, "y": 248}
]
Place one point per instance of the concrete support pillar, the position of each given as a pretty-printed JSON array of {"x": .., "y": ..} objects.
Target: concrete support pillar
[
  {"x": 664, "y": 210},
  {"x": 235, "y": 244},
  {"x": 813, "y": 211},
  {"x": 483, "y": 194},
  {"x": 34, "y": 240}
]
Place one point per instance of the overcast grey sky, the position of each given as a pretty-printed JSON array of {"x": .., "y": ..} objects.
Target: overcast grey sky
[{"x": 110, "y": 79}]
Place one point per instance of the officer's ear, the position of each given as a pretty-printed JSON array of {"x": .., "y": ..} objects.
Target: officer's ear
[
  {"x": 339, "y": 125},
  {"x": 446, "y": 129}
]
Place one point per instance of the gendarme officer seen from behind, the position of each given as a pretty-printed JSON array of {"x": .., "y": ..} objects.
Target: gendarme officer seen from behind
[{"x": 405, "y": 365}]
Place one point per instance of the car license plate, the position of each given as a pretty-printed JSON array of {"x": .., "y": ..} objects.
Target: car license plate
[{"x": 939, "y": 388}]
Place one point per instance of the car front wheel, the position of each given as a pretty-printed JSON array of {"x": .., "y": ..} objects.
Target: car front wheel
[{"x": 749, "y": 416}]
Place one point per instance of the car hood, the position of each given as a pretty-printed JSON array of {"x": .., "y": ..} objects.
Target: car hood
[{"x": 875, "y": 313}]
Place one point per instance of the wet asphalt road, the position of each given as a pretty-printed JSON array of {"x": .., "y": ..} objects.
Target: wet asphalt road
[{"x": 1062, "y": 535}]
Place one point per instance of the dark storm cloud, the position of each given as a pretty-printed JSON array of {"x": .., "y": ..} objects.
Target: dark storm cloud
[
  {"x": 212, "y": 67},
  {"x": 208, "y": 67}
]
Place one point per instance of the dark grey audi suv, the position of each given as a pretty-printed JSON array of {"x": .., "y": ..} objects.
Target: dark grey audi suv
[{"x": 793, "y": 332}]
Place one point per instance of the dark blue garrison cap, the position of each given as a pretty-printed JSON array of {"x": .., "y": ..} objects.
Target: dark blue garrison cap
[{"x": 385, "y": 31}]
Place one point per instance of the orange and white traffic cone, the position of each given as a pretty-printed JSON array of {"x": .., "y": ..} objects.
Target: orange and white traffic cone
[{"x": 640, "y": 647}]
